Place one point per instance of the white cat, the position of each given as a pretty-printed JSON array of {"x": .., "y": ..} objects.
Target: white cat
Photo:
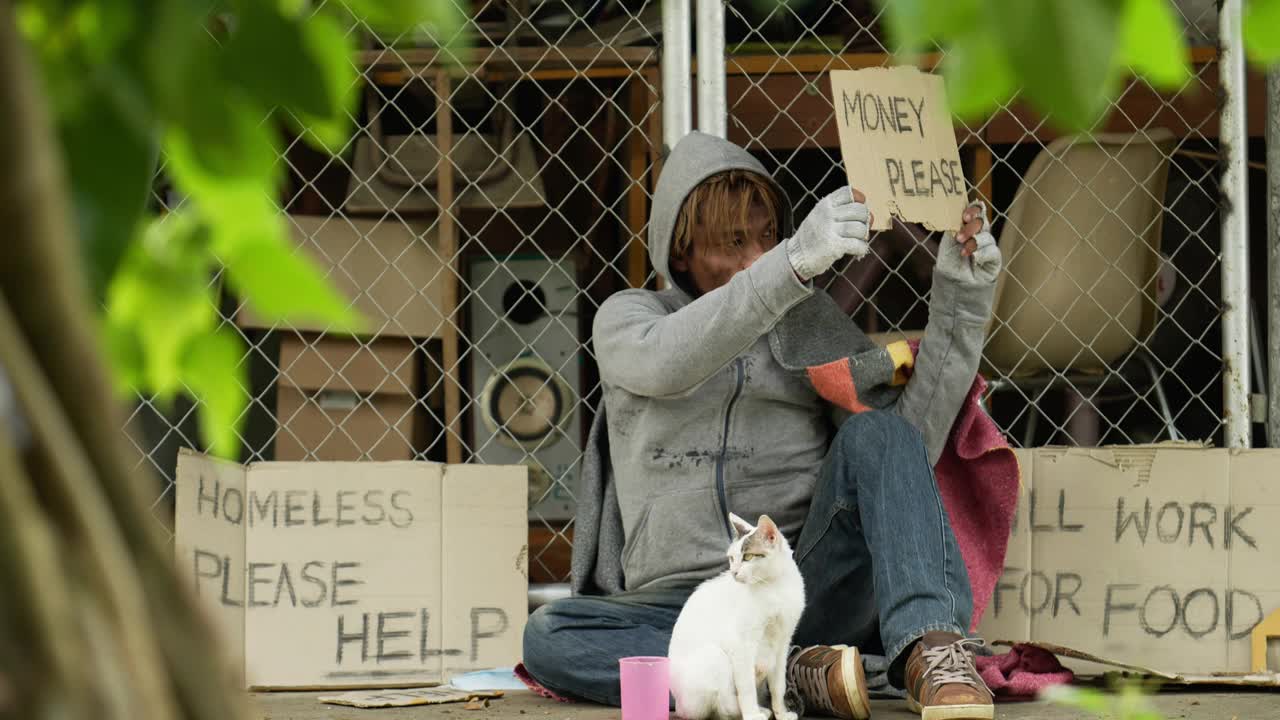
[{"x": 734, "y": 632}]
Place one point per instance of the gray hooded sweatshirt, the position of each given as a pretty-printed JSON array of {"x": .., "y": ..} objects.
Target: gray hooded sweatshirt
[{"x": 703, "y": 420}]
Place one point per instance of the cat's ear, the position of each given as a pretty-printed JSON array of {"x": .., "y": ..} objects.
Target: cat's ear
[
  {"x": 768, "y": 528},
  {"x": 741, "y": 527}
]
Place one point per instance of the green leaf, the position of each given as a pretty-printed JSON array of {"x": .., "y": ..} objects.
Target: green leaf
[
  {"x": 111, "y": 163},
  {"x": 443, "y": 20},
  {"x": 1087, "y": 699},
  {"x": 50, "y": 31},
  {"x": 909, "y": 23},
  {"x": 279, "y": 282},
  {"x": 269, "y": 56},
  {"x": 332, "y": 49},
  {"x": 329, "y": 136},
  {"x": 402, "y": 14},
  {"x": 161, "y": 295},
  {"x": 1063, "y": 52},
  {"x": 1262, "y": 30},
  {"x": 219, "y": 142},
  {"x": 1132, "y": 704},
  {"x": 917, "y": 24},
  {"x": 178, "y": 60},
  {"x": 125, "y": 353},
  {"x": 214, "y": 370},
  {"x": 33, "y": 20},
  {"x": 978, "y": 74},
  {"x": 103, "y": 25},
  {"x": 230, "y": 173},
  {"x": 1152, "y": 43}
]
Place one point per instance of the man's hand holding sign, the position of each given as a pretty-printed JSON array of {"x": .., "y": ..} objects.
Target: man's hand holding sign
[{"x": 900, "y": 153}]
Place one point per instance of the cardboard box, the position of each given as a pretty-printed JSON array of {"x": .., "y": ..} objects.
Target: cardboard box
[
  {"x": 391, "y": 269},
  {"x": 342, "y": 399},
  {"x": 1157, "y": 557},
  {"x": 357, "y": 574}
]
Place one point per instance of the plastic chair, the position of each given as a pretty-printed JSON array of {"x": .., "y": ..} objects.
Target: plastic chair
[{"x": 1081, "y": 243}]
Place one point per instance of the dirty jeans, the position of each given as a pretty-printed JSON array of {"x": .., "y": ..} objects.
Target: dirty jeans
[{"x": 880, "y": 564}]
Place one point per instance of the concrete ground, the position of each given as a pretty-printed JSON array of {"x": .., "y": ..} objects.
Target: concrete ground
[{"x": 527, "y": 706}]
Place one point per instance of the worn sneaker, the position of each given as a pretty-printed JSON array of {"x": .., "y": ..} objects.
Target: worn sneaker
[
  {"x": 943, "y": 684},
  {"x": 829, "y": 681}
]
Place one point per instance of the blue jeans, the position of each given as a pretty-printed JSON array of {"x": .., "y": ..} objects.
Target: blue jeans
[{"x": 880, "y": 564}]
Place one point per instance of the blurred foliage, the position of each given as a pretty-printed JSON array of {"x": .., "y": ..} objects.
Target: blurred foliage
[
  {"x": 1126, "y": 701},
  {"x": 209, "y": 86},
  {"x": 1066, "y": 58}
]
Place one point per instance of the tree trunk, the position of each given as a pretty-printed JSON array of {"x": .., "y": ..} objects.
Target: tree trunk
[{"x": 96, "y": 621}]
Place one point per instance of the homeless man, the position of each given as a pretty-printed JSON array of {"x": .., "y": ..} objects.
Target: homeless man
[{"x": 702, "y": 420}]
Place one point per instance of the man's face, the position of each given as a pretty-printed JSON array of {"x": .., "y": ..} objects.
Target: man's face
[{"x": 717, "y": 254}]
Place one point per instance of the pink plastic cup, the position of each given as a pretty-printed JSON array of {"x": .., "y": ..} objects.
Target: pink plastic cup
[{"x": 646, "y": 688}]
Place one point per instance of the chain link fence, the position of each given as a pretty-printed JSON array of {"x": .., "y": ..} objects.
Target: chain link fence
[
  {"x": 1106, "y": 319},
  {"x": 481, "y": 276}
]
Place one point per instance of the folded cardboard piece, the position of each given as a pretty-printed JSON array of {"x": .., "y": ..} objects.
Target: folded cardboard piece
[
  {"x": 408, "y": 697},
  {"x": 344, "y": 399},
  {"x": 344, "y": 574},
  {"x": 393, "y": 272},
  {"x": 1152, "y": 559}
]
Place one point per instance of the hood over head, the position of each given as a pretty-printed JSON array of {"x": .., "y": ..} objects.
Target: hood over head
[{"x": 695, "y": 158}]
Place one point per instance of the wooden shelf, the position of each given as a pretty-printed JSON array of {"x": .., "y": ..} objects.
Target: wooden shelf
[
  {"x": 533, "y": 63},
  {"x": 608, "y": 61},
  {"x": 762, "y": 64}
]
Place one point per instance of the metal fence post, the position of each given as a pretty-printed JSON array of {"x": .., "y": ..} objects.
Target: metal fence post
[
  {"x": 1273, "y": 257},
  {"x": 711, "y": 97},
  {"x": 677, "y": 101},
  {"x": 1235, "y": 229}
]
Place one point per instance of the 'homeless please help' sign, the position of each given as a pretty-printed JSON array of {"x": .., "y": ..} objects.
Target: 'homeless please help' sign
[{"x": 332, "y": 574}]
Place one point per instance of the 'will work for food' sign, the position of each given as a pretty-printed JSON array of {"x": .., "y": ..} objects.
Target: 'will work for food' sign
[{"x": 898, "y": 145}]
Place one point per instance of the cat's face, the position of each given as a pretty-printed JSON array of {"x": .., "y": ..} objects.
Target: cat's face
[{"x": 755, "y": 550}]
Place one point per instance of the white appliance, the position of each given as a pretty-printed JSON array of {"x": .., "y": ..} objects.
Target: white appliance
[{"x": 526, "y": 373}]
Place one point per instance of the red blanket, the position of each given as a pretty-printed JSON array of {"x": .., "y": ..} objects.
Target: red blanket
[
  {"x": 1022, "y": 673},
  {"x": 978, "y": 478}
]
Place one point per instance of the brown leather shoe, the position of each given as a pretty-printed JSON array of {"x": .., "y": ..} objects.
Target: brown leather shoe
[
  {"x": 829, "y": 681},
  {"x": 943, "y": 684}
]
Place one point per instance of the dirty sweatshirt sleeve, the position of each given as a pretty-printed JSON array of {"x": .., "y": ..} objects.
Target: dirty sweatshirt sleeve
[
  {"x": 947, "y": 360},
  {"x": 646, "y": 349}
]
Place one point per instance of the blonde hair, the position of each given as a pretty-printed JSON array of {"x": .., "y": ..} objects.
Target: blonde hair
[{"x": 721, "y": 202}]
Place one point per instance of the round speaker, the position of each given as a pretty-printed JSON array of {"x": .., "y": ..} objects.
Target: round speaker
[{"x": 524, "y": 402}]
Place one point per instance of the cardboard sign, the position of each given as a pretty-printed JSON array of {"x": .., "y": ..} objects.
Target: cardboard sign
[
  {"x": 344, "y": 574},
  {"x": 1152, "y": 556},
  {"x": 898, "y": 145},
  {"x": 407, "y": 698}
]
